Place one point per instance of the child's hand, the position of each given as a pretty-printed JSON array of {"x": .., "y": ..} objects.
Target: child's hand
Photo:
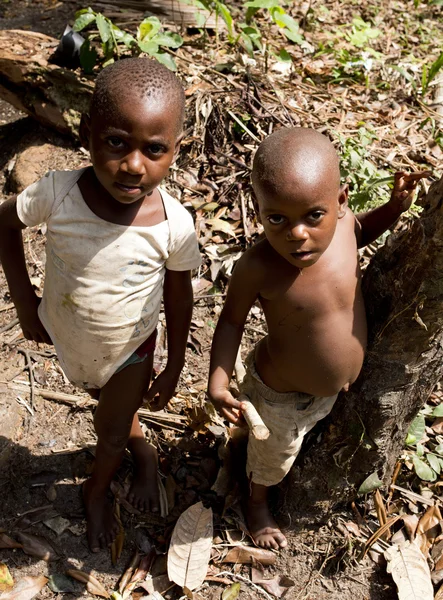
[
  {"x": 162, "y": 389},
  {"x": 30, "y": 323},
  {"x": 404, "y": 188},
  {"x": 227, "y": 406}
]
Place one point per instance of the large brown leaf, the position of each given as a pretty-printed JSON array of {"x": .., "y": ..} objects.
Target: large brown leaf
[
  {"x": 26, "y": 588},
  {"x": 190, "y": 548}
]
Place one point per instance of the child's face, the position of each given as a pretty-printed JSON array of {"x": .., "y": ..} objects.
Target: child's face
[
  {"x": 300, "y": 221},
  {"x": 132, "y": 150}
]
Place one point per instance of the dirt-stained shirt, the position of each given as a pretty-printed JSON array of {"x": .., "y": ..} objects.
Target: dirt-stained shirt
[{"x": 104, "y": 282}]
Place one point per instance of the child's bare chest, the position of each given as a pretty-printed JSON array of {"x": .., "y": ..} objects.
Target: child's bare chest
[{"x": 312, "y": 294}]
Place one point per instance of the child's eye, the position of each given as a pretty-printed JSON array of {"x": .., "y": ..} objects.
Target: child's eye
[
  {"x": 115, "y": 142},
  {"x": 316, "y": 216},
  {"x": 276, "y": 219},
  {"x": 156, "y": 149}
]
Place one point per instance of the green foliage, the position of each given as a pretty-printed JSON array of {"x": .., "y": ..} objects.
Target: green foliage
[
  {"x": 245, "y": 31},
  {"x": 427, "y": 75},
  {"x": 426, "y": 456},
  {"x": 368, "y": 185},
  {"x": 150, "y": 39},
  {"x": 361, "y": 33}
]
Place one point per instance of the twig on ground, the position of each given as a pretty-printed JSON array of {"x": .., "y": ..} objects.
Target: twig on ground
[
  {"x": 7, "y": 307},
  {"x": 256, "y": 587},
  {"x": 29, "y": 366},
  {"x": 412, "y": 495},
  {"x": 86, "y": 402},
  {"x": 9, "y": 326}
]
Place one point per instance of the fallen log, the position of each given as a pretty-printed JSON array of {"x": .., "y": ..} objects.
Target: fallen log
[{"x": 53, "y": 95}]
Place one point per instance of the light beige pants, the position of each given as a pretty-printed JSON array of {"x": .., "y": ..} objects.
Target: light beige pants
[{"x": 288, "y": 416}]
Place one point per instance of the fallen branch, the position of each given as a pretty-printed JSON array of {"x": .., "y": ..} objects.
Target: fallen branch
[{"x": 86, "y": 402}]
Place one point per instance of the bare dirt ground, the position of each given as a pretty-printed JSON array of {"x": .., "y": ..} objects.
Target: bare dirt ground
[{"x": 47, "y": 446}]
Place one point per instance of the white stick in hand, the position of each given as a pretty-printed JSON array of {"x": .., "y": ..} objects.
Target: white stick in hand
[{"x": 253, "y": 419}]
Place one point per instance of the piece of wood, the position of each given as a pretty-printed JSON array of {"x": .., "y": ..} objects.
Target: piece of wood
[{"x": 253, "y": 419}]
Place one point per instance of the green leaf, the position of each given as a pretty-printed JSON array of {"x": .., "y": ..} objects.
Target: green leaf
[
  {"x": 439, "y": 449},
  {"x": 438, "y": 411},
  {"x": 423, "y": 470},
  {"x": 169, "y": 40},
  {"x": 104, "y": 27},
  {"x": 123, "y": 37},
  {"x": 166, "y": 59},
  {"x": 435, "y": 68},
  {"x": 293, "y": 36},
  {"x": 262, "y": 4},
  {"x": 83, "y": 18},
  {"x": 149, "y": 47},
  {"x": 370, "y": 484},
  {"x": 284, "y": 56},
  {"x": 232, "y": 592},
  {"x": 148, "y": 28},
  {"x": 416, "y": 430},
  {"x": 434, "y": 462},
  {"x": 223, "y": 11},
  {"x": 88, "y": 57},
  {"x": 420, "y": 451},
  {"x": 200, "y": 19}
]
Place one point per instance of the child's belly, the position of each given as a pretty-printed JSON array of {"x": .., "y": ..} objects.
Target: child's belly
[{"x": 320, "y": 358}]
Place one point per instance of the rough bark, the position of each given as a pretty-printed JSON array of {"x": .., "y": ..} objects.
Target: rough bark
[
  {"x": 403, "y": 289},
  {"x": 54, "y": 96}
]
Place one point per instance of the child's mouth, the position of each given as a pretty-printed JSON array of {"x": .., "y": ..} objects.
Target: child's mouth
[
  {"x": 302, "y": 256},
  {"x": 128, "y": 189}
]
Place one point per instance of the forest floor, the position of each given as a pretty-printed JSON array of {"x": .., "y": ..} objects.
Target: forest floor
[{"x": 380, "y": 123}]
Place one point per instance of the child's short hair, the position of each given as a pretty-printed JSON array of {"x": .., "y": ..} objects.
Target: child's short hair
[{"x": 143, "y": 77}]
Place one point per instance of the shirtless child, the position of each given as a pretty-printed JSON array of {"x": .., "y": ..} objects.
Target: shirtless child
[
  {"x": 116, "y": 244},
  {"x": 306, "y": 276}
]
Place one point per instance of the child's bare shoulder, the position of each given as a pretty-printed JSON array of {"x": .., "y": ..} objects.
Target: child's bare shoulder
[{"x": 254, "y": 266}]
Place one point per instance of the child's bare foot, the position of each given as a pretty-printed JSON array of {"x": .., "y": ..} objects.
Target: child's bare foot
[
  {"x": 101, "y": 522},
  {"x": 144, "y": 494},
  {"x": 263, "y": 527}
]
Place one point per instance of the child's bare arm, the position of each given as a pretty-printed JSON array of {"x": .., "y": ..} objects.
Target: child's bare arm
[
  {"x": 372, "y": 224},
  {"x": 13, "y": 260},
  {"x": 178, "y": 302},
  {"x": 242, "y": 293}
]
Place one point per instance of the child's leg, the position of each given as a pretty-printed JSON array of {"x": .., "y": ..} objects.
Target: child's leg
[
  {"x": 143, "y": 494},
  {"x": 261, "y": 523},
  {"x": 114, "y": 424}
]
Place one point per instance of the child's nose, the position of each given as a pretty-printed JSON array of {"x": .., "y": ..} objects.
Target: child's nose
[
  {"x": 297, "y": 232},
  {"x": 133, "y": 163}
]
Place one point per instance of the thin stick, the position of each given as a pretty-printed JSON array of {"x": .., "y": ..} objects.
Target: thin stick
[
  {"x": 243, "y": 126},
  {"x": 253, "y": 419},
  {"x": 7, "y": 307},
  {"x": 259, "y": 589},
  {"x": 86, "y": 401},
  {"x": 9, "y": 326},
  {"x": 31, "y": 375}
]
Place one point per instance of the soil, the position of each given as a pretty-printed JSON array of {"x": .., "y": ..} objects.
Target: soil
[{"x": 44, "y": 456}]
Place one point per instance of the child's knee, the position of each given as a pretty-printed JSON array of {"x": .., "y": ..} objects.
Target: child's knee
[{"x": 114, "y": 439}]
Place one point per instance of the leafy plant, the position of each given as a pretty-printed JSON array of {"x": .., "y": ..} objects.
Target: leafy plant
[
  {"x": 150, "y": 39},
  {"x": 427, "y": 461},
  {"x": 364, "y": 178},
  {"x": 427, "y": 75},
  {"x": 247, "y": 33}
]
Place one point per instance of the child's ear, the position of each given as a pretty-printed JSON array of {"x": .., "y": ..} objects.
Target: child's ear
[
  {"x": 343, "y": 200},
  {"x": 256, "y": 206},
  {"x": 85, "y": 130},
  {"x": 178, "y": 142}
]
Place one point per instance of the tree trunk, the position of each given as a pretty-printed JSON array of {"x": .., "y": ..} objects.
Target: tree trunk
[{"x": 403, "y": 290}]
